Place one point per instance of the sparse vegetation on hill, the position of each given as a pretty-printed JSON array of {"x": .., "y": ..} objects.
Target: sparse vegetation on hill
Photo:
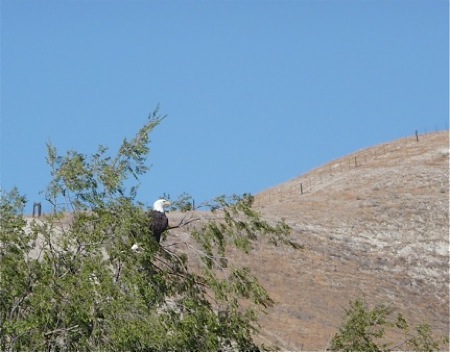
[{"x": 365, "y": 330}]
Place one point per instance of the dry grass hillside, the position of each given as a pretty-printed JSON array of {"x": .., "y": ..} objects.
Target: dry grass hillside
[{"x": 375, "y": 225}]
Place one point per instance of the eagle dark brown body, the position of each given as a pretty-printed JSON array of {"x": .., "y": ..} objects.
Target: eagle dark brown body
[{"x": 158, "y": 223}]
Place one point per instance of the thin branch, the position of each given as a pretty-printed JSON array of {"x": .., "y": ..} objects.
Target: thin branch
[
  {"x": 177, "y": 274},
  {"x": 184, "y": 221},
  {"x": 21, "y": 299},
  {"x": 199, "y": 253},
  {"x": 176, "y": 256},
  {"x": 119, "y": 270},
  {"x": 58, "y": 330}
]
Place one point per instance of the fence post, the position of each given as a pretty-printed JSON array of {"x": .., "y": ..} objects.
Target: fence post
[
  {"x": 417, "y": 136},
  {"x": 37, "y": 209},
  {"x": 301, "y": 189}
]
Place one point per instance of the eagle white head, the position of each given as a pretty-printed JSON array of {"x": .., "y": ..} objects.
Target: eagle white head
[{"x": 160, "y": 204}]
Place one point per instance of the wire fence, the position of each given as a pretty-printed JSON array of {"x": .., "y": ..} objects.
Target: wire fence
[{"x": 323, "y": 175}]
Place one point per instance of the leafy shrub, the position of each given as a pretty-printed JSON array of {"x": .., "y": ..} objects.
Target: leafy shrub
[{"x": 364, "y": 330}]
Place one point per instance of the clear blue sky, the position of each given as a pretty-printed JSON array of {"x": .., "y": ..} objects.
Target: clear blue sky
[{"x": 256, "y": 92}]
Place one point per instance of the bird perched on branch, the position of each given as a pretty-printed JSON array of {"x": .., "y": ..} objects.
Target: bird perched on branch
[{"x": 158, "y": 222}]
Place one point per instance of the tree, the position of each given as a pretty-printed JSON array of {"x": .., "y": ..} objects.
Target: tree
[
  {"x": 71, "y": 281},
  {"x": 364, "y": 330}
]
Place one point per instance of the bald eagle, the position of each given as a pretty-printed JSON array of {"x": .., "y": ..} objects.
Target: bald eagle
[{"x": 158, "y": 221}]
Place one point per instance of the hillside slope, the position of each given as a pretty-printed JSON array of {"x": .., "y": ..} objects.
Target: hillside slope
[{"x": 374, "y": 225}]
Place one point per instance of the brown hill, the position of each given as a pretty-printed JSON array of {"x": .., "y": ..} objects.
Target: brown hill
[{"x": 375, "y": 225}]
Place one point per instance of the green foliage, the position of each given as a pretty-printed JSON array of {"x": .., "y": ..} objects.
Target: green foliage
[
  {"x": 364, "y": 330},
  {"x": 361, "y": 330},
  {"x": 71, "y": 281},
  {"x": 81, "y": 182},
  {"x": 423, "y": 340}
]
